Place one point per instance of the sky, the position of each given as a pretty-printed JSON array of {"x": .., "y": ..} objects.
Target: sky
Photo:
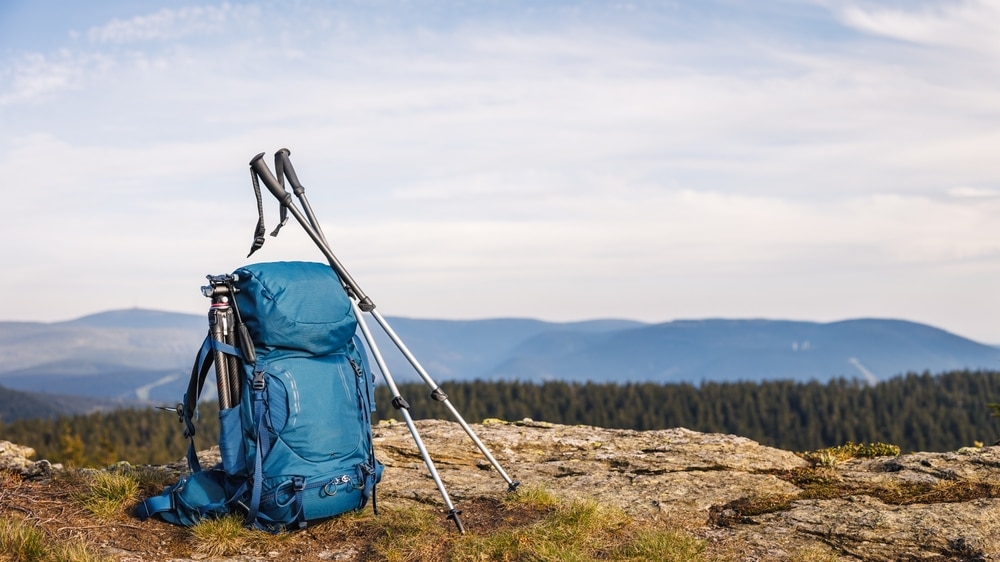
[{"x": 811, "y": 160}]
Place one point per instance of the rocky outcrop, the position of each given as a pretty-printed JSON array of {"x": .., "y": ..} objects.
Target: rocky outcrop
[
  {"x": 924, "y": 506},
  {"x": 649, "y": 474},
  {"x": 747, "y": 501},
  {"x": 18, "y": 459}
]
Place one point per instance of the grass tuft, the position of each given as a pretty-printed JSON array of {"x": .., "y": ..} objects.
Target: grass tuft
[
  {"x": 580, "y": 531},
  {"x": 226, "y": 536},
  {"x": 532, "y": 498},
  {"x": 106, "y": 494},
  {"x": 404, "y": 535},
  {"x": 663, "y": 545},
  {"x": 151, "y": 480},
  {"x": 831, "y": 456},
  {"x": 20, "y": 541}
]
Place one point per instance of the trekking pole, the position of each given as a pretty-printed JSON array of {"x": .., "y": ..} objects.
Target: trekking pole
[
  {"x": 283, "y": 167},
  {"x": 401, "y": 405},
  {"x": 364, "y": 303}
]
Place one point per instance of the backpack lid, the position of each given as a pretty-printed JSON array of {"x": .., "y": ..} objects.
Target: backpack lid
[{"x": 295, "y": 305}]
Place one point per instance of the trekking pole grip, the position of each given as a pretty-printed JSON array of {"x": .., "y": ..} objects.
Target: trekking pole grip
[
  {"x": 284, "y": 164},
  {"x": 260, "y": 168}
]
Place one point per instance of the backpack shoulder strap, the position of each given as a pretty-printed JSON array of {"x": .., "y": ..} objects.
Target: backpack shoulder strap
[{"x": 199, "y": 372}]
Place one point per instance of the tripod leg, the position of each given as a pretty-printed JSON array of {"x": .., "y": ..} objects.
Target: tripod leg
[
  {"x": 233, "y": 363},
  {"x": 440, "y": 396},
  {"x": 217, "y": 328},
  {"x": 400, "y": 404}
]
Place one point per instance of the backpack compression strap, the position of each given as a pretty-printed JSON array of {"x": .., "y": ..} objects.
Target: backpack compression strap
[
  {"x": 192, "y": 499},
  {"x": 263, "y": 443}
]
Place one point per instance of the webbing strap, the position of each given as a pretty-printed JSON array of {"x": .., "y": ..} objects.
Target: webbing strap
[
  {"x": 299, "y": 485},
  {"x": 189, "y": 411},
  {"x": 258, "y": 235},
  {"x": 156, "y": 504},
  {"x": 263, "y": 445},
  {"x": 199, "y": 372}
]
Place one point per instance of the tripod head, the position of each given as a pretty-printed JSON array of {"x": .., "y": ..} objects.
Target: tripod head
[
  {"x": 220, "y": 285},
  {"x": 222, "y": 289}
]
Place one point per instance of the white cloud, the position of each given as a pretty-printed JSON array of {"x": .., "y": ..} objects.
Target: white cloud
[
  {"x": 966, "y": 191},
  {"x": 35, "y": 76},
  {"x": 172, "y": 24},
  {"x": 503, "y": 163},
  {"x": 971, "y": 25}
]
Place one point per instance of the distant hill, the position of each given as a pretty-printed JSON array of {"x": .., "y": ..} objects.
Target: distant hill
[
  {"x": 142, "y": 319},
  {"x": 146, "y": 355},
  {"x": 133, "y": 354},
  {"x": 749, "y": 350},
  {"x": 15, "y": 405}
]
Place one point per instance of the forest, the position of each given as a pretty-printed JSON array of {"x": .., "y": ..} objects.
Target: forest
[{"x": 917, "y": 412}]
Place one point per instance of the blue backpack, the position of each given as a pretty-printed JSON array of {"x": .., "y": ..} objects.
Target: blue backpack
[{"x": 296, "y": 441}]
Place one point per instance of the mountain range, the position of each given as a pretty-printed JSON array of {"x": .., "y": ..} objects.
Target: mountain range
[{"x": 146, "y": 355}]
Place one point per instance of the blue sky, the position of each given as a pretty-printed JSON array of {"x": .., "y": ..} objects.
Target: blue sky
[{"x": 814, "y": 160}]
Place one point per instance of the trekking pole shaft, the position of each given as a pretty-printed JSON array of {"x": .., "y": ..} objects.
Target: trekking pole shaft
[
  {"x": 441, "y": 397},
  {"x": 430, "y": 465},
  {"x": 404, "y": 410},
  {"x": 264, "y": 173}
]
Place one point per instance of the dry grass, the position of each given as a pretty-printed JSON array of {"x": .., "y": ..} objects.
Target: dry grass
[
  {"x": 580, "y": 531},
  {"x": 107, "y": 494},
  {"x": 831, "y": 456},
  {"x": 227, "y": 536},
  {"x": 75, "y": 516},
  {"x": 821, "y": 481},
  {"x": 21, "y": 540}
]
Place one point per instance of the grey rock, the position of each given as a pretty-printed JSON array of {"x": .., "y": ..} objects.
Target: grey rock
[
  {"x": 678, "y": 477},
  {"x": 18, "y": 459}
]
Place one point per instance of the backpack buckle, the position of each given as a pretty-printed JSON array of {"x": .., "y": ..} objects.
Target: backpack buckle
[{"x": 258, "y": 383}]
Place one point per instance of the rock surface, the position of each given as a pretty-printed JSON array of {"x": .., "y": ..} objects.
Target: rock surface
[
  {"x": 908, "y": 507},
  {"x": 679, "y": 476},
  {"x": 18, "y": 459}
]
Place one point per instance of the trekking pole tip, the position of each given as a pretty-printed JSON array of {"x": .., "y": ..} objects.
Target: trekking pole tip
[
  {"x": 454, "y": 516},
  {"x": 512, "y": 487}
]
